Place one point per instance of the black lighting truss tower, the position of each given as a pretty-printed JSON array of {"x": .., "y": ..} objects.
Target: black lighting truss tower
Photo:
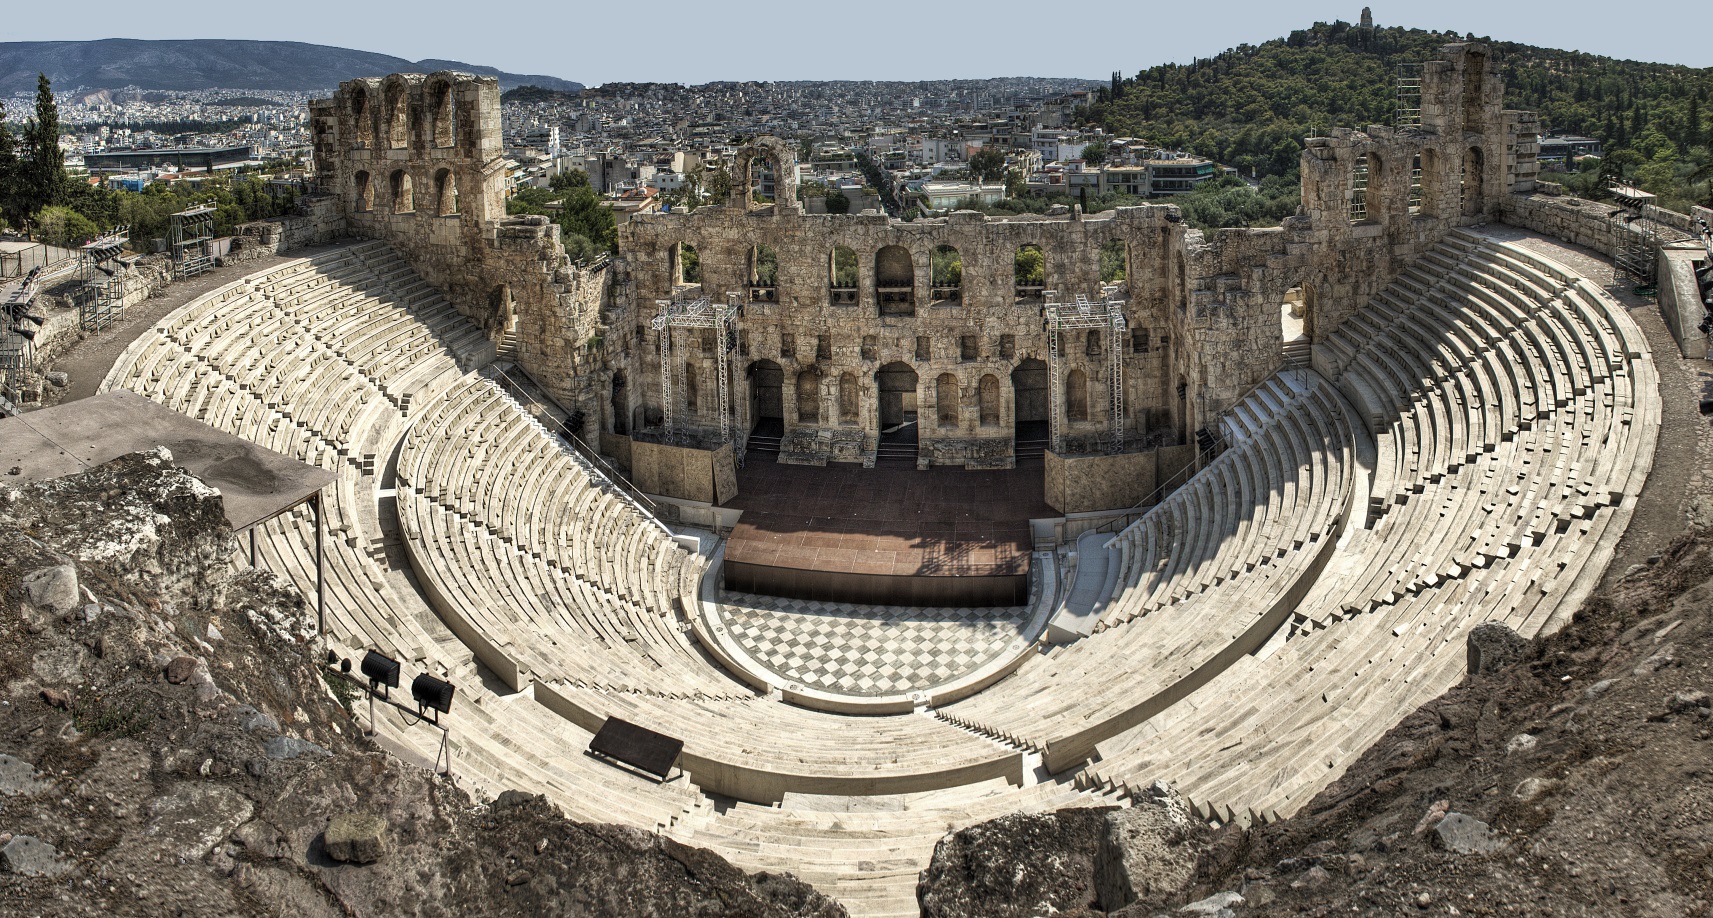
[
  {"x": 101, "y": 279},
  {"x": 193, "y": 240}
]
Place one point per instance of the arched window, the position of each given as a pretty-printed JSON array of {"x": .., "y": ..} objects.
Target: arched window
[
  {"x": 687, "y": 265},
  {"x": 847, "y": 398},
  {"x": 987, "y": 398},
  {"x": 946, "y": 400},
  {"x": 620, "y": 403},
  {"x": 445, "y": 193},
  {"x": 808, "y": 398},
  {"x": 361, "y": 117},
  {"x": 1114, "y": 262},
  {"x": 364, "y": 194},
  {"x": 404, "y": 200},
  {"x": 692, "y": 389},
  {"x": 1029, "y": 272},
  {"x": 946, "y": 274},
  {"x": 396, "y": 109},
  {"x": 763, "y": 173},
  {"x": 444, "y": 117},
  {"x": 842, "y": 276},
  {"x": 895, "y": 281},
  {"x": 763, "y": 274},
  {"x": 1076, "y": 395}
]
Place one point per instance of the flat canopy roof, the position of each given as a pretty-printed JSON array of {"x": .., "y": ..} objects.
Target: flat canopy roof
[{"x": 256, "y": 484}]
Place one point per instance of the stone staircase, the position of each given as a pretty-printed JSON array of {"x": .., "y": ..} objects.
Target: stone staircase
[{"x": 1298, "y": 353}]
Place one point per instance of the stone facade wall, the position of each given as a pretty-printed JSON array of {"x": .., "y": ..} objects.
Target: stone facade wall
[
  {"x": 416, "y": 160},
  {"x": 1578, "y": 221},
  {"x": 1680, "y": 297}
]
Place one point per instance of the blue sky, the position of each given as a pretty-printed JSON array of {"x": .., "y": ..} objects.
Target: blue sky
[{"x": 673, "y": 40}]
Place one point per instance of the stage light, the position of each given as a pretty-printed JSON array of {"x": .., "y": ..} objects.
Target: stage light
[
  {"x": 430, "y": 692},
  {"x": 380, "y": 671}
]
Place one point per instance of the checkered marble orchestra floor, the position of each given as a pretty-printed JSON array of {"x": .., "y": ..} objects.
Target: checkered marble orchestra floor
[{"x": 867, "y": 650}]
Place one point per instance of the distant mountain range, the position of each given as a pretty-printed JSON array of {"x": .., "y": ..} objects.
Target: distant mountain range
[{"x": 114, "y": 63}]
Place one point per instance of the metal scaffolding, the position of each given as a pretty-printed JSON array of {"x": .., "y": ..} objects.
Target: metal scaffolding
[
  {"x": 18, "y": 334},
  {"x": 193, "y": 239},
  {"x": 1408, "y": 111},
  {"x": 699, "y": 312},
  {"x": 101, "y": 279},
  {"x": 1086, "y": 314}
]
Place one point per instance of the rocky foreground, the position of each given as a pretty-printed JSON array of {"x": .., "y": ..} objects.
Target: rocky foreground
[
  {"x": 1570, "y": 775},
  {"x": 169, "y": 744}
]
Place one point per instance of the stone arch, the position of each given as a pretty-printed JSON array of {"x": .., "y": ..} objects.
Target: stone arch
[
  {"x": 761, "y": 180},
  {"x": 362, "y": 117},
  {"x": 1114, "y": 262},
  {"x": 1474, "y": 182},
  {"x": 1029, "y": 271},
  {"x": 945, "y": 274},
  {"x": 686, "y": 265},
  {"x": 395, "y": 112},
  {"x": 501, "y": 308},
  {"x": 946, "y": 400},
  {"x": 398, "y": 185},
  {"x": 781, "y": 157},
  {"x": 365, "y": 193},
  {"x": 895, "y": 281},
  {"x": 766, "y": 385},
  {"x": 445, "y": 193},
  {"x": 1029, "y": 393},
  {"x": 763, "y": 274},
  {"x": 442, "y": 113},
  {"x": 987, "y": 400},
  {"x": 895, "y": 384},
  {"x": 843, "y": 276},
  {"x": 809, "y": 397},
  {"x": 848, "y": 399},
  {"x": 1076, "y": 395}
]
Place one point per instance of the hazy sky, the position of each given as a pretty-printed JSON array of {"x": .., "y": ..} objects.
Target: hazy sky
[{"x": 673, "y": 40}]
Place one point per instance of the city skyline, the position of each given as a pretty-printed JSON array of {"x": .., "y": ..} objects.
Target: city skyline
[{"x": 779, "y": 42}]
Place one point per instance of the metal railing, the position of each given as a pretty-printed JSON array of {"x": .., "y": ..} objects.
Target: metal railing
[{"x": 602, "y": 468}]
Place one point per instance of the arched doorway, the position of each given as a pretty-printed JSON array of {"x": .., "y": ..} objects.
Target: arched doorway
[
  {"x": 1029, "y": 395},
  {"x": 767, "y": 398},
  {"x": 896, "y": 383}
]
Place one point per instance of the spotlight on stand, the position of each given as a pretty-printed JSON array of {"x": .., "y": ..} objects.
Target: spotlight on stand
[
  {"x": 382, "y": 672},
  {"x": 432, "y": 694}
]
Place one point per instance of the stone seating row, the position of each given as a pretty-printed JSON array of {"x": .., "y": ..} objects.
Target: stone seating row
[
  {"x": 1265, "y": 513},
  {"x": 1483, "y": 515}
]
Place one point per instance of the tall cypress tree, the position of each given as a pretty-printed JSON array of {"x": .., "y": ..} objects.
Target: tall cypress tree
[
  {"x": 43, "y": 182},
  {"x": 8, "y": 174}
]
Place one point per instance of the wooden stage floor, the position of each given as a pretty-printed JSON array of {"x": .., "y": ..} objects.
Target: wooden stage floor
[{"x": 895, "y": 536}]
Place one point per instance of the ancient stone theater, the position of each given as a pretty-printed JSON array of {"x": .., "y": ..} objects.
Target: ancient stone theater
[{"x": 885, "y": 528}]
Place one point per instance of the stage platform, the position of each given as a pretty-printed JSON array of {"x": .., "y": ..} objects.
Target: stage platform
[{"x": 940, "y": 537}]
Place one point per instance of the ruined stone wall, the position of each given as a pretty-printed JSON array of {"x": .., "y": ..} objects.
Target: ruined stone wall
[
  {"x": 983, "y": 329},
  {"x": 417, "y": 160}
]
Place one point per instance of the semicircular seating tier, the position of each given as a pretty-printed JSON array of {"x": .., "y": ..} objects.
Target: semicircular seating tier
[
  {"x": 1466, "y": 448},
  {"x": 1516, "y": 409}
]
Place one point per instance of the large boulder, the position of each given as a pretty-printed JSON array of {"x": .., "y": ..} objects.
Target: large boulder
[
  {"x": 1492, "y": 647},
  {"x": 28, "y": 856},
  {"x": 53, "y": 589},
  {"x": 1148, "y": 853},
  {"x": 1016, "y": 866},
  {"x": 356, "y": 838}
]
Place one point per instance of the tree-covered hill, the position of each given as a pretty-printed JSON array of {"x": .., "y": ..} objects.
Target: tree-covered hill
[{"x": 1250, "y": 106}]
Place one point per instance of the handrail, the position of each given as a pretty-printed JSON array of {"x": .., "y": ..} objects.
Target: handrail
[{"x": 605, "y": 469}]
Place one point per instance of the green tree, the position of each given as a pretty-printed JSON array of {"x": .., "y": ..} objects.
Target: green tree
[
  {"x": 1029, "y": 266},
  {"x": 837, "y": 202},
  {"x": 1094, "y": 154},
  {"x": 10, "y": 209},
  {"x": 64, "y": 227},
  {"x": 43, "y": 172},
  {"x": 987, "y": 165}
]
